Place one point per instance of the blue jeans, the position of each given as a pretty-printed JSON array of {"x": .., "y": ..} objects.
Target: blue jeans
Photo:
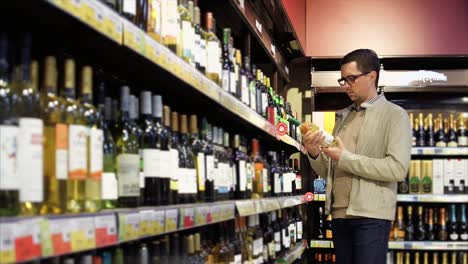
[{"x": 361, "y": 240}]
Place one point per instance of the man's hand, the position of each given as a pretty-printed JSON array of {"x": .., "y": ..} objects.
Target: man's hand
[
  {"x": 335, "y": 152},
  {"x": 312, "y": 142}
]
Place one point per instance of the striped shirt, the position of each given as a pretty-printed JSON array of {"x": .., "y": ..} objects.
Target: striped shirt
[{"x": 363, "y": 106}]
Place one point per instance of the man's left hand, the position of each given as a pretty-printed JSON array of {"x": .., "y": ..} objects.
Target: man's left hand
[{"x": 335, "y": 152}]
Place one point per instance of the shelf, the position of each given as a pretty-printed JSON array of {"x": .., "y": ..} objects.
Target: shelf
[
  {"x": 292, "y": 254},
  {"x": 433, "y": 198},
  {"x": 411, "y": 245},
  {"x": 429, "y": 151},
  {"x": 26, "y": 238}
]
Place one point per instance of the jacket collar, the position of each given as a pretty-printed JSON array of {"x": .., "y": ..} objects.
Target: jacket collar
[{"x": 342, "y": 114}]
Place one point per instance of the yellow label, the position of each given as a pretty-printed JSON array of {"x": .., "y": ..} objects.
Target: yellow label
[
  {"x": 131, "y": 232},
  {"x": 145, "y": 228},
  {"x": 158, "y": 228},
  {"x": 200, "y": 219},
  {"x": 79, "y": 241},
  {"x": 89, "y": 16},
  {"x": 170, "y": 225},
  {"x": 7, "y": 256},
  {"x": 111, "y": 28},
  {"x": 74, "y": 7}
]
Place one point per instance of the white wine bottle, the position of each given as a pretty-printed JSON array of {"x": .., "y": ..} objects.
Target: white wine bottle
[
  {"x": 329, "y": 139},
  {"x": 55, "y": 143},
  {"x": 77, "y": 143},
  {"x": 30, "y": 148},
  {"x": 109, "y": 180},
  {"x": 94, "y": 143}
]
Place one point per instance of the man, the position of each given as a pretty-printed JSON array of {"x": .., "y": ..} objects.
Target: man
[{"x": 372, "y": 154}]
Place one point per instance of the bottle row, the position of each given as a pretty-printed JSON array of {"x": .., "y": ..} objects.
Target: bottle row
[
  {"x": 178, "y": 25},
  {"x": 430, "y": 224},
  {"x": 443, "y": 131},
  {"x": 65, "y": 153},
  {"x": 324, "y": 258},
  {"x": 399, "y": 257},
  {"x": 438, "y": 176}
]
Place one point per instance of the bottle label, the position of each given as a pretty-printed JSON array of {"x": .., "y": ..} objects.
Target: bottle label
[
  {"x": 129, "y": 6},
  {"x": 299, "y": 230},
  {"x": 286, "y": 238},
  {"x": 154, "y": 23},
  {"x": 174, "y": 161},
  {"x": 287, "y": 182},
  {"x": 203, "y": 53},
  {"x": 77, "y": 160},
  {"x": 170, "y": 23},
  {"x": 187, "y": 40},
  {"x": 8, "y": 158},
  {"x": 462, "y": 141},
  {"x": 210, "y": 168},
  {"x": 191, "y": 181},
  {"x": 61, "y": 151},
  {"x": 427, "y": 184},
  {"x": 30, "y": 159},
  {"x": 201, "y": 171},
  {"x": 298, "y": 182},
  {"x": 96, "y": 139},
  {"x": 258, "y": 180},
  {"x": 232, "y": 82},
  {"x": 249, "y": 172},
  {"x": 252, "y": 88},
  {"x": 142, "y": 180},
  {"x": 182, "y": 178},
  {"x": 278, "y": 241},
  {"x": 320, "y": 186},
  {"x": 454, "y": 236},
  {"x": 128, "y": 175},
  {"x": 233, "y": 170},
  {"x": 242, "y": 176},
  {"x": 264, "y": 103},
  {"x": 292, "y": 232},
  {"x": 244, "y": 89},
  {"x": 271, "y": 250},
  {"x": 212, "y": 59},
  {"x": 277, "y": 183},
  {"x": 265, "y": 180},
  {"x": 196, "y": 48},
  {"x": 156, "y": 163},
  {"x": 109, "y": 186},
  {"x": 225, "y": 80},
  {"x": 258, "y": 246}
]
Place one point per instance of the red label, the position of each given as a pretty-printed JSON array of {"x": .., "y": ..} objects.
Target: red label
[
  {"x": 309, "y": 197},
  {"x": 188, "y": 222},
  {"x": 59, "y": 245},
  {"x": 209, "y": 219},
  {"x": 26, "y": 248},
  {"x": 103, "y": 238},
  {"x": 271, "y": 115}
]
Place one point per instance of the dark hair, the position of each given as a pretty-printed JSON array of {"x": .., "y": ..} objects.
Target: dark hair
[{"x": 366, "y": 60}]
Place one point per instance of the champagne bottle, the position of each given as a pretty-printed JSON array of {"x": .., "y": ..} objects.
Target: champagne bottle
[
  {"x": 415, "y": 179},
  {"x": 414, "y": 134},
  {"x": 409, "y": 224},
  {"x": 9, "y": 183},
  {"x": 452, "y": 135},
  {"x": 401, "y": 229},
  {"x": 462, "y": 132},
  {"x": 426, "y": 182},
  {"x": 421, "y": 132},
  {"x": 55, "y": 143},
  {"x": 442, "y": 234},
  {"x": 430, "y": 235},
  {"x": 430, "y": 135},
  {"x": 94, "y": 143},
  {"x": 452, "y": 226},
  {"x": 463, "y": 226},
  {"x": 421, "y": 230},
  {"x": 440, "y": 135}
]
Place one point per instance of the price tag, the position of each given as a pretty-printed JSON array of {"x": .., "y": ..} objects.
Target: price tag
[
  {"x": 258, "y": 206},
  {"x": 93, "y": 14},
  {"x": 214, "y": 214},
  {"x": 27, "y": 239},
  {"x": 322, "y": 244},
  {"x": 245, "y": 208},
  {"x": 146, "y": 223},
  {"x": 106, "y": 230},
  {"x": 60, "y": 235},
  {"x": 171, "y": 220},
  {"x": 113, "y": 25},
  {"x": 133, "y": 37},
  {"x": 201, "y": 215},
  {"x": 153, "y": 51},
  {"x": 258, "y": 25},
  {"x": 74, "y": 7},
  {"x": 129, "y": 226},
  {"x": 187, "y": 217},
  {"x": 273, "y": 49},
  {"x": 158, "y": 222},
  {"x": 428, "y": 151},
  {"x": 7, "y": 242},
  {"x": 82, "y": 234}
]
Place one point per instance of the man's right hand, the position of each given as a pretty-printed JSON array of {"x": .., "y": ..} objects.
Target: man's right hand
[{"x": 312, "y": 142}]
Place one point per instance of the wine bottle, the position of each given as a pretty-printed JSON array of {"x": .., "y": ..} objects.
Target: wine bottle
[
  {"x": 415, "y": 179},
  {"x": 462, "y": 132},
  {"x": 440, "y": 135},
  {"x": 420, "y": 229},
  {"x": 212, "y": 49},
  {"x": 421, "y": 132},
  {"x": 442, "y": 232},
  {"x": 414, "y": 134},
  {"x": 188, "y": 190},
  {"x": 430, "y": 135},
  {"x": 186, "y": 26},
  {"x": 30, "y": 134},
  {"x": 328, "y": 227},
  {"x": 463, "y": 226},
  {"x": 170, "y": 24},
  {"x": 452, "y": 135},
  {"x": 55, "y": 143},
  {"x": 94, "y": 143},
  {"x": 410, "y": 230},
  {"x": 321, "y": 227},
  {"x": 128, "y": 158},
  {"x": 9, "y": 184},
  {"x": 401, "y": 229},
  {"x": 197, "y": 149},
  {"x": 109, "y": 180},
  {"x": 173, "y": 159},
  {"x": 258, "y": 170},
  {"x": 452, "y": 225},
  {"x": 430, "y": 235},
  {"x": 240, "y": 157}
]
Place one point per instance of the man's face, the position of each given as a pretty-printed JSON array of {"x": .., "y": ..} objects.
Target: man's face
[{"x": 357, "y": 87}]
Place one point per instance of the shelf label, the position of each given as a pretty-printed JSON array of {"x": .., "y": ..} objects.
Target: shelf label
[
  {"x": 106, "y": 230},
  {"x": 146, "y": 223},
  {"x": 112, "y": 25},
  {"x": 82, "y": 234},
  {"x": 129, "y": 226},
  {"x": 27, "y": 239},
  {"x": 320, "y": 244},
  {"x": 187, "y": 217},
  {"x": 201, "y": 215},
  {"x": 158, "y": 222},
  {"x": 153, "y": 51},
  {"x": 245, "y": 208},
  {"x": 59, "y": 230},
  {"x": 74, "y": 7},
  {"x": 93, "y": 14},
  {"x": 258, "y": 25},
  {"x": 229, "y": 210},
  {"x": 269, "y": 205},
  {"x": 7, "y": 242},
  {"x": 171, "y": 220},
  {"x": 133, "y": 37},
  {"x": 215, "y": 213}
]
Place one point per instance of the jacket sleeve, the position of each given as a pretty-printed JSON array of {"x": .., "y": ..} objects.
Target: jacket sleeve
[
  {"x": 319, "y": 165},
  {"x": 394, "y": 166}
]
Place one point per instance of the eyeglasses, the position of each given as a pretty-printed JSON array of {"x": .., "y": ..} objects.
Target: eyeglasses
[{"x": 350, "y": 79}]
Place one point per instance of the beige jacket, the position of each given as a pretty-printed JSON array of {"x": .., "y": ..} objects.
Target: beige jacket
[{"x": 382, "y": 158}]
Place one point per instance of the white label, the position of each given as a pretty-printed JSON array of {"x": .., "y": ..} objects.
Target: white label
[
  {"x": 210, "y": 167},
  {"x": 96, "y": 143},
  {"x": 252, "y": 88},
  {"x": 61, "y": 164},
  {"x": 141, "y": 177},
  {"x": 264, "y": 102},
  {"x": 238, "y": 259},
  {"x": 292, "y": 232},
  {"x": 244, "y": 89},
  {"x": 278, "y": 241},
  {"x": 191, "y": 180},
  {"x": 30, "y": 159},
  {"x": 201, "y": 171},
  {"x": 187, "y": 40},
  {"x": 242, "y": 176},
  {"x": 232, "y": 82},
  {"x": 462, "y": 141},
  {"x": 233, "y": 170},
  {"x": 265, "y": 180},
  {"x": 464, "y": 237},
  {"x": 77, "y": 155},
  {"x": 212, "y": 58},
  {"x": 203, "y": 53},
  {"x": 197, "y": 48},
  {"x": 277, "y": 183},
  {"x": 258, "y": 26},
  {"x": 128, "y": 174},
  {"x": 174, "y": 161},
  {"x": 250, "y": 172},
  {"x": 170, "y": 24},
  {"x": 298, "y": 182},
  {"x": 286, "y": 238},
  {"x": 8, "y": 157},
  {"x": 257, "y": 246},
  {"x": 287, "y": 183},
  {"x": 454, "y": 236},
  {"x": 299, "y": 230},
  {"x": 156, "y": 163},
  {"x": 109, "y": 186},
  {"x": 225, "y": 80},
  {"x": 129, "y": 6}
]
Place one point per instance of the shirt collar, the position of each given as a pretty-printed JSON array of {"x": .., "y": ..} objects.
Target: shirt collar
[{"x": 364, "y": 105}]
